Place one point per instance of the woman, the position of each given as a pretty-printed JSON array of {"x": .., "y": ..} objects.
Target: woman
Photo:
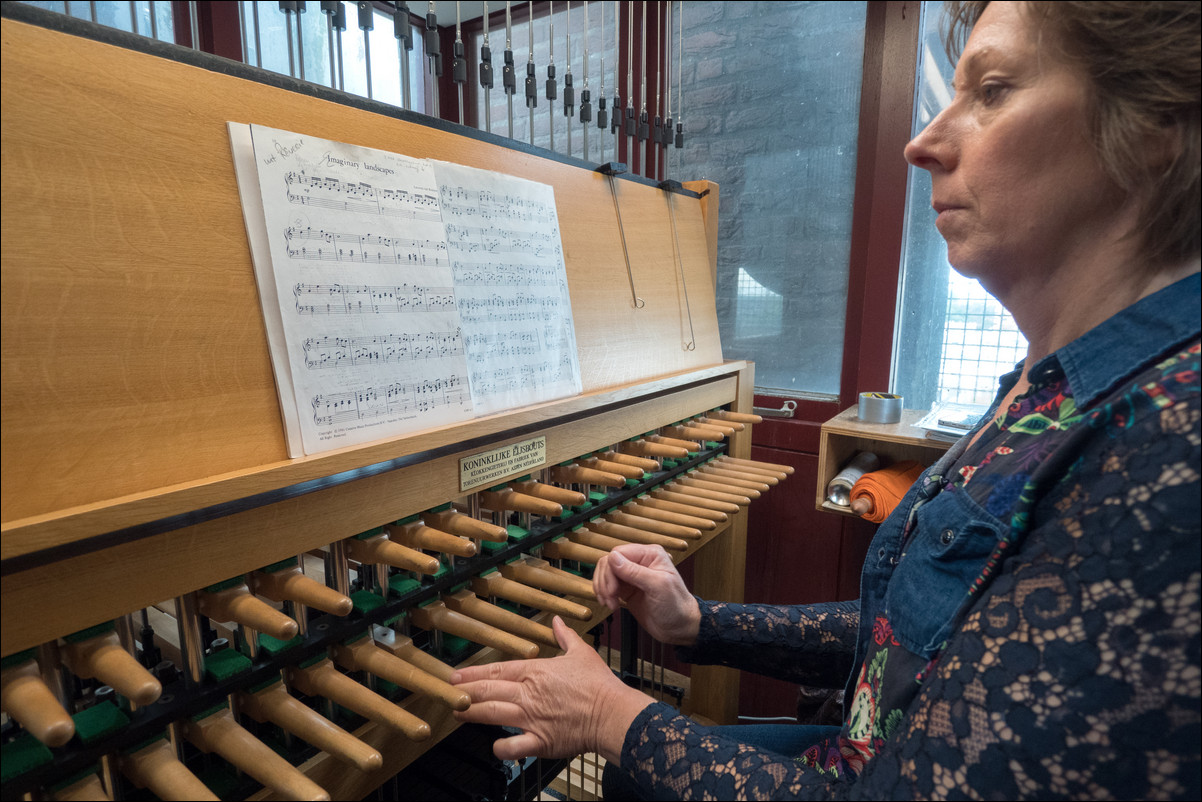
[{"x": 1029, "y": 618}]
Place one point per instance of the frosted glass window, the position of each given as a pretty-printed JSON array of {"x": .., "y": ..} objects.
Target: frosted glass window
[
  {"x": 953, "y": 339},
  {"x": 771, "y": 95}
]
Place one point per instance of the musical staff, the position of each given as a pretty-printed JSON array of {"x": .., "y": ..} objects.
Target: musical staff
[
  {"x": 399, "y": 398},
  {"x": 335, "y": 352},
  {"x": 342, "y": 299},
  {"x": 358, "y": 196},
  {"x": 309, "y": 244}
]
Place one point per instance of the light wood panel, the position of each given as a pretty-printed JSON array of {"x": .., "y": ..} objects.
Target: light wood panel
[{"x": 134, "y": 353}]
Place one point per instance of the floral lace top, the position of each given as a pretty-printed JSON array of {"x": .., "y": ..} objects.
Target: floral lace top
[{"x": 1029, "y": 627}]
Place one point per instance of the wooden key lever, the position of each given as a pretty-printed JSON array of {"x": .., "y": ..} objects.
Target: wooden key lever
[
  {"x": 504, "y": 499},
  {"x": 232, "y": 601},
  {"x": 695, "y": 431},
  {"x": 402, "y": 647},
  {"x": 561, "y": 548},
  {"x": 622, "y": 469},
  {"x": 283, "y": 581},
  {"x": 411, "y": 532},
  {"x": 436, "y": 615},
  {"x": 630, "y": 534},
  {"x": 755, "y": 465},
  {"x": 320, "y": 678},
  {"x": 276, "y": 705},
  {"x": 102, "y": 657},
  {"x": 695, "y": 500},
  {"x": 733, "y": 417},
  {"x": 584, "y": 475},
  {"x": 447, "y": 519},
  {"x": 559, "y": 495},
  {"x": 733, "y": 472},
  {"x": 365, "y": 655},
  {"x": 736, "y": 481},
  {"x": 645, "y": 448},
  {"x": 541, "y": 574},
  {"x": 493, "y": 585},
  {"x": 25, "y": 697},
  {"x": 624, "y": 518},
  {"x": 717, "y": 485},
  {"x": 696, "y": 510},
  {"x": 156, "y": 767},
  {"x": 376, "y": 546},
  {"x": 471, "y": 605},
  {"x": 643, "y": 509},
  {"x": 219, "y": 733}
]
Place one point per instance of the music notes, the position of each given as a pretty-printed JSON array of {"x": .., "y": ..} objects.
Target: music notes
[
  {"x": 511, "y": 287},
  {"x": 400, "y": 294}
]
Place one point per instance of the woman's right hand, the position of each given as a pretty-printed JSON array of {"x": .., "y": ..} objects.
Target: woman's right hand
[{"x": 646, "y": 580}]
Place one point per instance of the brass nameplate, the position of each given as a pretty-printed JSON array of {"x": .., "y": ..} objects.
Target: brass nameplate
[{"x": 488, "y": 467}]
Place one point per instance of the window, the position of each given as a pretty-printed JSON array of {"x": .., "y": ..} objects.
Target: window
[
  {"x": 148, "y": 18},
  {"x": 771, "y": 97},
  {"x": 953, "y": 339}
]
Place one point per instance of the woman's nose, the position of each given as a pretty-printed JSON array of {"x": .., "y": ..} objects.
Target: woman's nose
[{"x": 931, "y": 149}]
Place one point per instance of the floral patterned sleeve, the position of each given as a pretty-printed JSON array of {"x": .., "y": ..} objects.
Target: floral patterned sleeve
[
  {"x": 1074, "y": 672},
  {"x": 810, "y": 644}
]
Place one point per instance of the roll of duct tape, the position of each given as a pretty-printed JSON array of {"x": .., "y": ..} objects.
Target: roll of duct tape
[{"x": 880, "y": 408}]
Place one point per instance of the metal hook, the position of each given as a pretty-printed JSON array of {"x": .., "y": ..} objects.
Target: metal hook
[{"x": 611, "y": 169}]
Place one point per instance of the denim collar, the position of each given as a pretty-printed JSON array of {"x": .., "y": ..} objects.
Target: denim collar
[{"x": 1106, "y": 354}]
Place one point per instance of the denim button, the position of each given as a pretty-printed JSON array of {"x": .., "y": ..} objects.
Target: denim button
[{"x": 947, "y": 536}]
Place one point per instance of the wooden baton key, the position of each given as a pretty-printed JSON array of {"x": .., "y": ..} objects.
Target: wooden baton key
[
  {"x": 584, "y": 475},
  {"x": 561, "y": 548},
  {"x": 322, "y": 679},
  {"x": 696, "y": 487},
  {"x": 86, "y": 788},
  {"x": 687, "y": 445},
  {"x": 691, "y": 430},
  {"x": 646, "y": 463},
  {"x": 218, "y": 733},
  {"x": 730, "y": 472},
  {"x": 233, "y": 601},
  {"x": 505, "y": 499},
  {"x": 284, "y": 581},
  {"x": 648, "y": 525},
  {"x": 436, "y": 615},
  {"x": 560, "y": 495},
  {"x": 276, "y": 705},
  {"x": 632, "y": 534},
  {"x": 541, "y": 574},
  {"x": 589, "y": 538},
  {"x": 379, "y": 548},
  {"x": 645, "y": 448},
  {"x": 157, "y": 768},
  {"x": 471, "y": 605},
  {"x": 717, "y": 516},
  {"x": 719, "y": 485},
  {"x": 614, "y": 467},
  {"x": 26, "y": 698},
  {"x": 365, "y": 655},
  {"x": 694, "y": 499},
  {"x": 416, "y": 535},
  {"x": 667, "y": 516},
  {"x": 734, "y": 480},
  {"x": 450, "y": 520},
  {"x": 787, "y": 470},
  {"x": 719, "y": 423},
  {"x": 404, "y": 648},
  {"x": 734, "y": 417},
  {"x": 102, "y": 657},
  {"x": 494, "y": 585}
]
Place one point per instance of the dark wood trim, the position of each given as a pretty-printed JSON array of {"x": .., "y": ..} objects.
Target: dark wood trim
[{"x": 886, "y": 111}]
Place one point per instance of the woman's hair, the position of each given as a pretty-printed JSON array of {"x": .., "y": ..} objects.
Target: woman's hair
[{"x": 1143, "y": 61}]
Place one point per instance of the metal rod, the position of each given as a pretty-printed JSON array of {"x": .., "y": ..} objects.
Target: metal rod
[
  {"x": 193, "y": 18},
  {"x": 133, "y": 16},
  {"x": 666, "y": 134},
  {"x": 691, "y": 345},
  {"x": 300, "y": 38},
  {"x": 434, "y": 54},
  {"x": 637, "y": 302},
  {"x": 191, "y": 644},
  {"x": 366, "y": 23},
  {"x": 508, "y": 78},
  {"x": 285, "y": 9},
  {"x": 254, "y": 8},
  {"x": 402, "y": 29},
  {"x": 154, "y": 24},
  {"x": 680, "y": 86},
  {"x": 657, "y": 130},
  {"x": 552, "y": 93},
  {"x": 616, "y": 109},
  {"x": 486, "y": 73},
  {"x": 586, "y": 108},
  {"x": 329, "y": 10},
  {"x": 531, "y": 82},
  {"x": 459, "y": 67},
  {"x": 569, "y": 92},
  {"x": 630, "y": 90},
  {"x": 602, "y": 116},
  {"x": 643, "y": 128}
]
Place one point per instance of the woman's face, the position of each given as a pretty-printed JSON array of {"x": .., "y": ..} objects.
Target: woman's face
[{"x": 1014, "y": 179}]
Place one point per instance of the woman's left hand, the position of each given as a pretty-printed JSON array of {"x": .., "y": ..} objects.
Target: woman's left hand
[{"x": 565, "y": 705}]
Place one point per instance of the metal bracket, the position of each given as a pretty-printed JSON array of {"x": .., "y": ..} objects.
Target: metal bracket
[{"x": 787, "y": 408}]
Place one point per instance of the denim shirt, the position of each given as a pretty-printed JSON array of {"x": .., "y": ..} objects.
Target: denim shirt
[{"x": 926, "y": 556}]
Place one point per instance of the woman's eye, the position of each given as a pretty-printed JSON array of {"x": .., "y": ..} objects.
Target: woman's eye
[{"x": 991, "y": 93}]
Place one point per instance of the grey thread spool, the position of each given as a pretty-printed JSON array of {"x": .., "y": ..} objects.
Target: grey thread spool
[{"x": 838, "y": 490}]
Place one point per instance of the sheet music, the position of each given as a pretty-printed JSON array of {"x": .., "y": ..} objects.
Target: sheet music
[
  {"x": 366, "y": 303},
  {"x": 511, "y": 286},
  {"x": 400, "y": 294}
]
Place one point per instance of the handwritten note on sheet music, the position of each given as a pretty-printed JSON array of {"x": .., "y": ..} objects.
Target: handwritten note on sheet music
[
  {"x": 511, "y": 287},
  {"x": 400, "y": 294}
]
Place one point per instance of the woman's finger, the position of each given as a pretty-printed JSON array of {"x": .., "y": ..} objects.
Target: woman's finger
[
  {"x": 517, "y": 746},
  {"x": 505, "y": 670},
  {"x": 502, "y": 714}
]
